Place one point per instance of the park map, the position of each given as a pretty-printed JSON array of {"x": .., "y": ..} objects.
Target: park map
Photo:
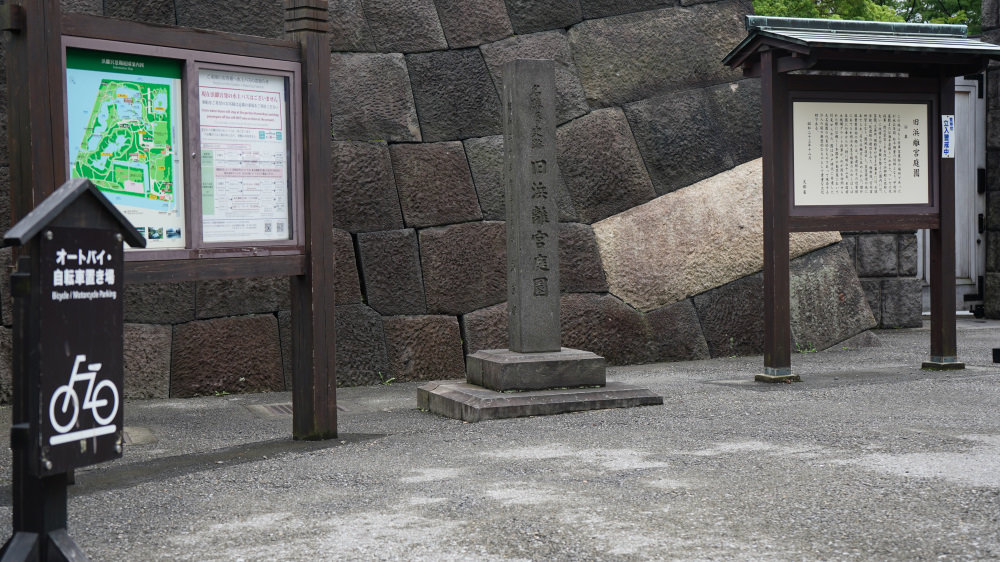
[{"x": 127, "y": 144}]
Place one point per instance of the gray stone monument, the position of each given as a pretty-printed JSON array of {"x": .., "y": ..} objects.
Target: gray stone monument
[{"x": 536, "y": 375}]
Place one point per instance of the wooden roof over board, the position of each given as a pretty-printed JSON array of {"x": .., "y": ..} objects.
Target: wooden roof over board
[{"x": 861, "y": 46}]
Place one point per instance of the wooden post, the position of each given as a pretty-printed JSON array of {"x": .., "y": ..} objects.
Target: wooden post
[
  {"x": 775, "y": 151},
  {"x": 314, "y": 382},
  {"x": 944, "y": 347}
]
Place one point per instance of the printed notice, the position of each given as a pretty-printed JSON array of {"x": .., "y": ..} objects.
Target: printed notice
[
  {"x": 124, "y": 132},
  {"x": 244, "y": 148},
  {"x": 860, "y": 153},
  {"x": 947, "y": 136}
]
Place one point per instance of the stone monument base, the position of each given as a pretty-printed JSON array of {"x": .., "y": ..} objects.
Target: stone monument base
[
  {"x": 472, "y": 403},
  {"x": 503, "y": 369}
]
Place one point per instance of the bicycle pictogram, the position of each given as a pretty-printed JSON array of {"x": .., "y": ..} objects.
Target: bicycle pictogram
[{"x": 100, "y": 398}]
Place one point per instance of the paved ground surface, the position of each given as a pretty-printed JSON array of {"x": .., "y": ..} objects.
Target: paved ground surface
[{"x": 868, "y": 458}]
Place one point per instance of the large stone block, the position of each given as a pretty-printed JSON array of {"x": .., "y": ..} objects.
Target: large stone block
[
  {"x": 390, "y": 261},
  {"x": 873, "y": 295},
  {"x": 992, "y": 301},
  {"x": 146, "y": 11},
  {"x": 593, "y": 9},
  {"x": 827, "y": 303},
  {"x": 424, "y": 347},
  {"x": 907, "y": 253},
  {"x": 160, "y": 303},
  {"x": 464, "y": 266},
  {"x": 434, "y": 184},
  {"x": 675, "y": 333},
  {"x": 467, "y": 24},
  {"x": 364, "y": 189},
  {"x": 235, "y": 354},
  {"x": 627, "y": 58},
  {"x": 992, "y": 251},
  {"x": 990, "y": 14},
  {"x": 901, "y": 302},
  {"x": 264, "y": 18},
  {"x": 877, "y": 255},
  {"x": 485, "y": 156},
  {"x": 346, "y": 284},
  {"x": 360, "y": 354},
  {"x": 250, "y": 295},
  {"x": 529, "y": 16},
  {"x": 6, "y": 372},
  {"x": 371, "y": 98},
  {"x": 6, "y": 299},
  {"x": 732, "y": 317},
  {"x": 147, "y": 361},
  {"x": 570, "y": 100},
  {"x": 606, "y": 326},
  {"x": 601, "y": 166},
  {"x": 404, "y": 26},
  {"x": 455, "y": 95},
  {"x": 503, "y": 369},
  {"x": 688, "y": 136},
  {"x": 485, "y": 328},
  {"x": 580, "y": 269},
  {"x": 91, "y": 7},
  {"x": 348, "y": 28},
  {"x": 692, "y": 240}
]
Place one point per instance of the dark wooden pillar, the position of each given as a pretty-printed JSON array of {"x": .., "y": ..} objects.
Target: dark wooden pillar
[
  {"x": 944, "y": 347},
  {"x": 774, "y": 147},
  {"x": 314, "y": 382}
]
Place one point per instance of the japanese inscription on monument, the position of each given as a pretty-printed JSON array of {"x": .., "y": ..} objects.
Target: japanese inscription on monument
[
  {"x": 532, "y": 215},
  {"x": 848, "y": 153}
]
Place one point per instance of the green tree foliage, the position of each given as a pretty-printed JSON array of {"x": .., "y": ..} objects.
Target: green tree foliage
[{"x": 966, "y": 12}]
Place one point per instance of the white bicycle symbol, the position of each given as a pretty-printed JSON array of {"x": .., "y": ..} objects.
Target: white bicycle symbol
[{"x": 97, "y": 399}]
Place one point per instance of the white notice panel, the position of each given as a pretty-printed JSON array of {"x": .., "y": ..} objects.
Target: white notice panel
[
  {"x": 850, "y": 153},
  {"x": 244, "y": 148}
]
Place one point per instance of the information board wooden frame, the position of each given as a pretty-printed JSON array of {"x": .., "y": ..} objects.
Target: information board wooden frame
[{"x": 37, "y": 32}]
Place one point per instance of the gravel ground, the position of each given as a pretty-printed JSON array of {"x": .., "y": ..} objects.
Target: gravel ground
[{"x": 868, "y": 458}]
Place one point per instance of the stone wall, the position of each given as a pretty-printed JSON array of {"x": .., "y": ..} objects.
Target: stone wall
[
  {"x": 991, "y": 291},
  {"x": 886, "y": 262},
  {"x": 645, "y": 109}
]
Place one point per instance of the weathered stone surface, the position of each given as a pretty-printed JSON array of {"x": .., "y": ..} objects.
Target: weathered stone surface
[
  {"x": 147, "y": 11},
  {"x": 6, "y": 300},
  {"x": 360, "y": 354},
  {"x": 993, "y": 206},
  {"x": 467, "y": 24},
  {"x": 570, "y": 100},
  {"x": 160, "y": 303},
  {"x": 390, "y": 261},
  {"x": 371, "y": 98},
  {"x": 901, "y": 306},
  {"x": 529, "y": 16},
  {"x": 606, "y": 326},
  {"x": 603, "y": 8},
  {"x": 992, "y": 251},
  {"x": 147, "y": 361},
  {"x": 827, "y": 303},
  {"x": 4, "y": 190},
  {"x": 285, "y": 338},
  {"x": 91, "y": 7},
  {"x": 455, "y": 96},
  {"x": 907, "y": 252},
  {"x": 850, "y": 243},
  {"x": 264, "y": 18},
  {"x": 346, "y": 284},
  {"x": 424, "y": 347},
  {"x": 877, "y": 255},
  {"x": 675, "y": 333},
  {"x": 992, "y": 303},
  {"x": 252, "y": 295},
  {"x": 485, "y": 156},
  {"x": 732, "y": 317},
  {"x": 685, "y": 137},
  {"x": 627, "y": 58},
  {"x": 464, "y": 266},
  {"x": 449, "y": 197},
  {"x": 873, "y": 295},
  {"x": 348, "y": 28},
  {"x": 990, "y": 14},
  {"x": 580, "y": 269},
  {"x": 503, "y": 369},
  {"x": 485, "y": 328},
  {"x": 235, "y": 354},
  {"x": 6, "y": 373},
  {"x": 404, "y": 26},
  {"x": 601, "y": 166},
  {"x": 364, "y": 189},
  {"x": 687, "y": 242}
]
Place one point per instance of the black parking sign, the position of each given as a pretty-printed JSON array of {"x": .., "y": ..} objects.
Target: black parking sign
[{"x": 81, "y": 348}]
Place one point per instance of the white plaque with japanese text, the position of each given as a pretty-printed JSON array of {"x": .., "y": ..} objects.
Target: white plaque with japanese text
[{"x": 852, "y": 153}]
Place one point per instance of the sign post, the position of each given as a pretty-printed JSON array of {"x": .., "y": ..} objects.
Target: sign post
[{"x": 68, "y": 348}]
